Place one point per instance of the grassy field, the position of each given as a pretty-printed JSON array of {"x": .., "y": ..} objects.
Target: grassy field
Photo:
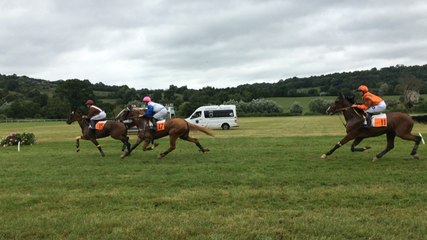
[{"x": 263, "y": 180}]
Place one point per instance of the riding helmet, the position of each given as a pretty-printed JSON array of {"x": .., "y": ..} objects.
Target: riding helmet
[
  {"x": 146, "y": 99},
  {"x": 363, "y": 88},
  {"x": 90, "y": 102}
]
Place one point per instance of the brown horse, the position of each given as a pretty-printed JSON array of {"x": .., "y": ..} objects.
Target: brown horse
[
  {"x": 398, "y": 124},
  {"x": 174, "y": 128},
  {"x": 116, "y": 129}
]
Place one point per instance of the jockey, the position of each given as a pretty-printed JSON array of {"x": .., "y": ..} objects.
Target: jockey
[
  {"x": 154, "y": 110},
  {"x": 94, "y": 113},
  {"x": 371, "y": 103}
]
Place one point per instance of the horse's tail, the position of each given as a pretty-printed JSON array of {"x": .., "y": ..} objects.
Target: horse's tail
[
  {"x": 195, "y": 127},
  {"x": 420, "y": 119}
]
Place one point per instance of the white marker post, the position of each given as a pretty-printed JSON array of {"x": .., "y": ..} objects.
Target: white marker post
[{"x": 19, "y": 146}]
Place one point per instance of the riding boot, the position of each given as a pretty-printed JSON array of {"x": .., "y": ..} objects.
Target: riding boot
[
  {"x": 369, "y": 120},
  {"x": 367, "y": 123},
  {"x": 92, "y": 128},
  {"x": 154, "y": 127}
]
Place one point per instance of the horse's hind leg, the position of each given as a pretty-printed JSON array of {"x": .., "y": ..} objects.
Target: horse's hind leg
[
  {"x": 355, "y": 143},
  {"x": 195, "y": 141},
  {"x": 126, "y": 145},
  {"x": 417, "y": 140},
  {"x": 390, "y": 146}
]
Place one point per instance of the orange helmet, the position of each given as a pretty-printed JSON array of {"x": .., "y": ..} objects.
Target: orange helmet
[
  {"x": 89, "y": 102},
  {"x": 363, "y": 88}
]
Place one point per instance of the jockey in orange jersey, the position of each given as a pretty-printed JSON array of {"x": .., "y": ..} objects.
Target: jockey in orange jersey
[{"x": 371, "y": 103}]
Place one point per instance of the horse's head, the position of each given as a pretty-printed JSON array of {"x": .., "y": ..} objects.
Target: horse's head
[
  {"x": 341, "y": 103},
  {"x": 73, "y": 116},
  {"x": 129, "y": 113},
  {"x": 124, "y": 114}
]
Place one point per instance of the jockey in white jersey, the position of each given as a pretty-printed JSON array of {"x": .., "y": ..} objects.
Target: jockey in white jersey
[
  {"x": 154, "y": 110},
  {"x": 94, "y": 113}
]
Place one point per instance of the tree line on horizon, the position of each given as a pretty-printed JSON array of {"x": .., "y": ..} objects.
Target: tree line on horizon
[{"x": 26, "y": 97}]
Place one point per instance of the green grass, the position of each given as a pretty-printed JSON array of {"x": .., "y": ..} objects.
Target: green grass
[{"x": 263, "y": 180}]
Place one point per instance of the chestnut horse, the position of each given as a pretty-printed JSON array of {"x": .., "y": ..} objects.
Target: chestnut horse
[
  {"x": 174, "y": 128},
  {"x": 116, "y": 129},
  {"x": 398, "y": 124}
]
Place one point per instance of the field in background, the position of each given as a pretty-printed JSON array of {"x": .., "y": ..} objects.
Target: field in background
[
  {"x": 262, "y": 180},
  {"x": 286, "y": 102}
]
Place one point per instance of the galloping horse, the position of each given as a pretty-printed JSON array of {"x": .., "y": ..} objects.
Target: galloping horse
[
  {"x": 398, "y": 124},
  {"x": 116, "y": 129},
  {"x": 174, "y": 128}
]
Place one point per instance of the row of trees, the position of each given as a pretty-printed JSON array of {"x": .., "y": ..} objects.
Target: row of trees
[{"x": 24, "y": 97}]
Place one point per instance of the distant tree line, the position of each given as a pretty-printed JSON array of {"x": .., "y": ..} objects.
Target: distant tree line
[{"x": 25, "y": 97}]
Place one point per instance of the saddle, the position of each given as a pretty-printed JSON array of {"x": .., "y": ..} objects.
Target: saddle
[
  {"x": 160, "y": 125},
  {"x": 100, "y": 124},
  {"x": 376, "y": 120}
]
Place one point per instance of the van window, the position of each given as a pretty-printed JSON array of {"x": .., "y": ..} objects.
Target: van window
[{"x": 219, "y": 113}]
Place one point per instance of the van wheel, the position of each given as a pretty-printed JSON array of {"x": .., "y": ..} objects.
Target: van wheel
[{"x": 225, "y": 126}]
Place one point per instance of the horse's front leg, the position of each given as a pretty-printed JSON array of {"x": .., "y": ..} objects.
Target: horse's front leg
[
  {"x": 78, "y": 143},
  {"x": 172, "y": 146},
  {"x": 145, "y": 145},
  {"x": 338, "y": 145},
  {"x": 355, "y": 143},
  {"x": 138, "y": 141},
  {"x": 98, "y": 146}
]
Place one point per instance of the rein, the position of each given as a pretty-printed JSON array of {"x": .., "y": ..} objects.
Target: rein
[{"x": 345, "y": 109}]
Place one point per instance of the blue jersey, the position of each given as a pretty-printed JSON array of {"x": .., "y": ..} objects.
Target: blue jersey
[{"x": 150, "y": 111}]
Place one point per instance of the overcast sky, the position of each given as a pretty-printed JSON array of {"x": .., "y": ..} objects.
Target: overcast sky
[{"x": 197, "y": 43}]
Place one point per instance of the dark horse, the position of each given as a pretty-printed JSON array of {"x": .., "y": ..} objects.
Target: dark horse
[
  {"x": 174, "y": 128},
  {"x": 398, "y": 124},
  {"x": 116, "y": 129}
]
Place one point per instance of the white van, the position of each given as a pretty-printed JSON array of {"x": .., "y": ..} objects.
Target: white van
[{"x": 217, "y": 116}]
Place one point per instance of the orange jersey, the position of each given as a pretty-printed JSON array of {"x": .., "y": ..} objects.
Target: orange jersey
[{"x": 369, "y": 100}]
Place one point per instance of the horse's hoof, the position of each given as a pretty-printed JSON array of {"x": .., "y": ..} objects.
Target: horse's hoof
[
  {"x": 78, "y": 150},
  {"x": 366, "y": 148},
  {"x": 416, "y": 156},
  {"x": 375, "y": 159},
  {"x": 324, "y": 156}
]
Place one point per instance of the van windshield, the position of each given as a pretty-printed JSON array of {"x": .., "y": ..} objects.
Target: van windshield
[{"x": 196, "y": 114}]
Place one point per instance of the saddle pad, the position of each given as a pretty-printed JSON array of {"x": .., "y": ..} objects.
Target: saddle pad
[
  {"x": 379, "y": 120},
  {"x": 100, "y": 125},
  {"x": 161, "y": 125}
]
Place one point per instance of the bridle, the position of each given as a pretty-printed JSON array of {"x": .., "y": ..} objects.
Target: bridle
[{"x": 345, "y": 109}]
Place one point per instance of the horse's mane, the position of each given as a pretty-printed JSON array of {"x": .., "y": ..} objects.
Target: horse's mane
[{"x": 350, "y": 98}]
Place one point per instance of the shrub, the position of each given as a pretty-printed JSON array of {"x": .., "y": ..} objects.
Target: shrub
[
  {"x": 319, "y": 105},
  {"x": 296, "y": 108},
  {"x": 14, "y": 138}
]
